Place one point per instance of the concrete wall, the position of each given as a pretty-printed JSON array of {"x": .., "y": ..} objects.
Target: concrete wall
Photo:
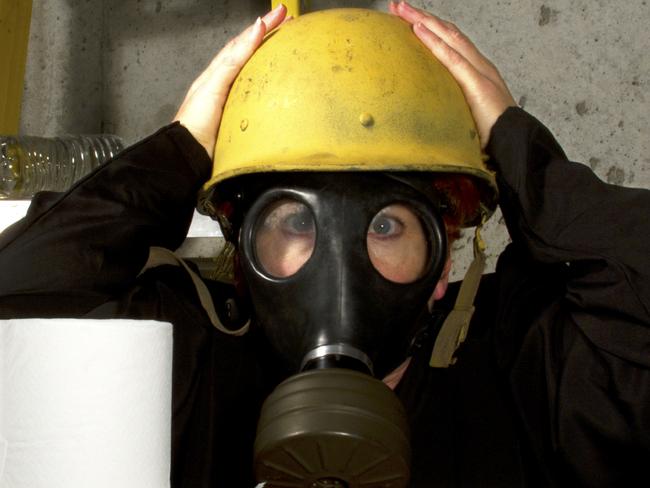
[{"x": 581, "y": 66}]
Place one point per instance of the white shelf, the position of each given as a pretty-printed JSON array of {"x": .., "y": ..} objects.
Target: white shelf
[{"x": 12, "y": 210}]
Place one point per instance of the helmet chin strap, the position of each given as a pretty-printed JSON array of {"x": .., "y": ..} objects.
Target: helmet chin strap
[{"x": 454, "y": 329}]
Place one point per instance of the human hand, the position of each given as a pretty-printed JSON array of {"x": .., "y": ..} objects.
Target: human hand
[
  {"x": 201, "y": 110},
  {"x": 485, "y": 91}
]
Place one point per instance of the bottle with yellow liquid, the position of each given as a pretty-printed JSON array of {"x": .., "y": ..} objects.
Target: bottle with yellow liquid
[{"x": 31, "y": 164}]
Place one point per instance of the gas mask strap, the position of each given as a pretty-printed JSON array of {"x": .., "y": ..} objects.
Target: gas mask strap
[
  {"x": 454, "y": 329},
  {"x": 159, "y": 256}
]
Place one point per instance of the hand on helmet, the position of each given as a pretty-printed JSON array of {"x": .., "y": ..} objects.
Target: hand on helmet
[
  {"x": 201, "y": 110},
  {"x": 485, "y": 91}
]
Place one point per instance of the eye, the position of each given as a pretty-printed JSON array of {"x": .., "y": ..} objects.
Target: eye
[
  {"x": 298, "y": 223},
  {"x": 385, "y": 226},
  {"x": 397, "y": 245}
]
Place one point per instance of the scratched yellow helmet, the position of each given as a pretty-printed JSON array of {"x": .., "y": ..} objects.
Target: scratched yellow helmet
[{"x": 348, "y": 90}]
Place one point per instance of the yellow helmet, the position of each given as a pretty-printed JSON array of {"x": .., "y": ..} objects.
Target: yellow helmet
[{"x": 348, "y": 90}]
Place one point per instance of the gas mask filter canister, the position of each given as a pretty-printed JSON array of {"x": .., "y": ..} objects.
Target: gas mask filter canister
[{"x": 340, "y": 268}]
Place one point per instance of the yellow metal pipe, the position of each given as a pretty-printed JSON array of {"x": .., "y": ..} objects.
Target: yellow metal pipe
[{"x": 15, "y": 16}]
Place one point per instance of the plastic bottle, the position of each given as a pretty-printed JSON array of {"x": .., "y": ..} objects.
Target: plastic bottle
[{"x": 30, "y": 164}]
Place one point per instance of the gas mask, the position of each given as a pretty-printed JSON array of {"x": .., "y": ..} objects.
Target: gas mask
[{"x": 340, "y": 267}]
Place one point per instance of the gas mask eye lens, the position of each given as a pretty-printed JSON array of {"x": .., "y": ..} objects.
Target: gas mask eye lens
[
  {"x": 284, "y": 238},
  {"x": 397, "y": 244}
]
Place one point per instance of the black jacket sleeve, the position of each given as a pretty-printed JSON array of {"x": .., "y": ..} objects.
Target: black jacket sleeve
[
  {"x": 574, "y": 302},
  {"x": 562, "y": 213},
  {"x": 89, "y": 243}
]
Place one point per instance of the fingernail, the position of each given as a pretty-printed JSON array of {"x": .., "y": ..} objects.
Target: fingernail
[
  {"x": 420, "y": 27},
  {"x": 269, "y": 15},
  {"x": 256, "y": 27}
]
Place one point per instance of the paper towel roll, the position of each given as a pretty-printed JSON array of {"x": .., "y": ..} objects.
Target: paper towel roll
[{"x": 85, "y": 403}]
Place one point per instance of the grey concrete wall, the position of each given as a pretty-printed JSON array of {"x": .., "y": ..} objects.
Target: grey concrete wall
[
  {"x": 581, "y": 66},
  {"x": 63, "y": 76}
]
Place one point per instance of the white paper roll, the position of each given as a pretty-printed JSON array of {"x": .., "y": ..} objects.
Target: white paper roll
[{"x": 85, "y": 403}]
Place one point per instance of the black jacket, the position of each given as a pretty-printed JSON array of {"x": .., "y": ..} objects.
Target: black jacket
[{"x": 552, "y": 386}]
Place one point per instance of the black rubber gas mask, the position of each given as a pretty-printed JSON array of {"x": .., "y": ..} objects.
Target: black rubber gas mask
[{"x": 340, "y": 268}]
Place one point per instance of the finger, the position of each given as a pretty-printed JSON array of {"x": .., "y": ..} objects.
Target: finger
[
  {"x": 241, "y": 47},
  {"x": 211, "y": 88},
  {"x": 464, "y": 71},
  {"x": 453, "y": 36},
  {"x": 275, "y": 17},
  {"x": 248, "y": 41},
  {"x": 485, "y": 98},
  {"x": 209, "y": 91},
  {"x": 443, "y": 29},
  {"x": 250, "y": 36},
  {"x": 271, "y": 20},
  {"x": 228, "y": 63}
]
